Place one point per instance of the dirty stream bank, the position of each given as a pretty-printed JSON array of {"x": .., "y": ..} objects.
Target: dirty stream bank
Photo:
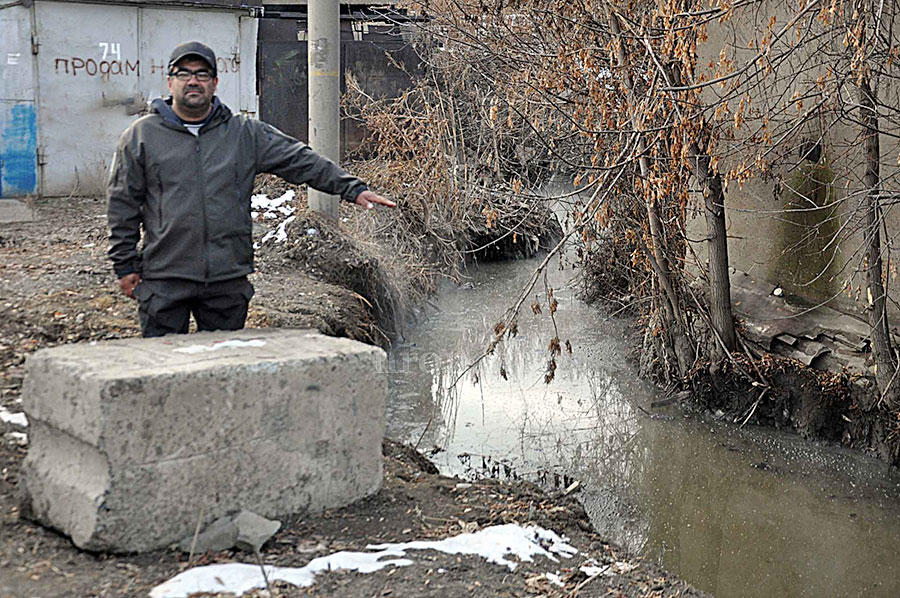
[
  {"x": 739, "y": 513},
  {"x": 57, "y": 287}
]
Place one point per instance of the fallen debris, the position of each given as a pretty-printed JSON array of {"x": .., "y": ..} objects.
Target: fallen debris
[{"x": 245, "y": 530}]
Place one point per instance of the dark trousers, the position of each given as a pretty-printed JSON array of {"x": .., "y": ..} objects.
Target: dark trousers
[{"x": 166, "y": 305}]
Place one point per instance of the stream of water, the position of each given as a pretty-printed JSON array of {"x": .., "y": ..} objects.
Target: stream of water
[{"x": 738, "y": 513}]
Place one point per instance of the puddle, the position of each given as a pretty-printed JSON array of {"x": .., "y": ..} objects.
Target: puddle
[{"x": 738, "y": 513}]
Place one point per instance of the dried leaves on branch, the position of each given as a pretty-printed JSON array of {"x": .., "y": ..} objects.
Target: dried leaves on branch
[{"x": 668, "y": 108}]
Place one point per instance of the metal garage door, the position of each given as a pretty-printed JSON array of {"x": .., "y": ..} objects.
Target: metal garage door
[
  {"x": 18, "y": 126},
  {"x": 87, "y": 65},
  {"x": 99, "y": 64}
]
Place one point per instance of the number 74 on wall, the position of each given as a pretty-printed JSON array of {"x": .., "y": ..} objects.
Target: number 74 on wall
[{"x": 111, "y": 49}]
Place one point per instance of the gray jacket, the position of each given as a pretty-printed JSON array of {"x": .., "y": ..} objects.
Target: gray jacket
[{"x": 192, "y": 194}]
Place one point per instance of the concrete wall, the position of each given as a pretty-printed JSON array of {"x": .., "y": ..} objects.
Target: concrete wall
[
  {"x": 795, "y": 250},
  {"x": 86, "y": 71}
]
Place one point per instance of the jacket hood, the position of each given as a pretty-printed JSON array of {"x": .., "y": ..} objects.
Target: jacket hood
[{"x": 163, "y": 107}]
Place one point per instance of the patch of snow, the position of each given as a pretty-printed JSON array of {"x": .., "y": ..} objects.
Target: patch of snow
[
  {"x": 557, "y": 544},
  {"x": 240, "y": 578},
  {"x": 20, "y": 438},
  {"x": 221, "y": 345},
  {"x": 280, "y": 233},
  {"x": 16, "y": 419},
  {"x": 492, "y": 543},
  {"x": 271, "y": 208},
  {"x": 554, "y": 579}
]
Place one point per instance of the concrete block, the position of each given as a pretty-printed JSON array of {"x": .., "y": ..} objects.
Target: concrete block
[{"x": 132, "y": 440}]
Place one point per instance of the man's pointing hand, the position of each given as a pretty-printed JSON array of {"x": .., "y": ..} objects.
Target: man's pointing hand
[{"x": 368, "y": 199}]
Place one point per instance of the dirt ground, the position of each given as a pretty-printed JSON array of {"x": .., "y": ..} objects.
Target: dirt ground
[{"x": 56, "y": 287}]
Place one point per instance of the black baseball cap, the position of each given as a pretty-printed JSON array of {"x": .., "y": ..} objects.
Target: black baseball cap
[{"x": 201, "y": 51}]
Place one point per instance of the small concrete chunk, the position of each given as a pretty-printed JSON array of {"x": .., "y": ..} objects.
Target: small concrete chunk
[
  {"x": 246, "y": 531},
  {"x": 221, "y": 534},
  {"x": 132, "y": 440},
  {"x": 253, "y": 531}
]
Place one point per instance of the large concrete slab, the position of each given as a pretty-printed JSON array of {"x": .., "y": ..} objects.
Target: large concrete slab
[{"x": 134, "y": 441}]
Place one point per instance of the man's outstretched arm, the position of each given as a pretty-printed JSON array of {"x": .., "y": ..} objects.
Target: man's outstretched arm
[{"x": 297, "y": 163}]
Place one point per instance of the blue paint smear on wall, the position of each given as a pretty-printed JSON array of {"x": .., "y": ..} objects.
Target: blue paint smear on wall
[{"x": 18, "y": 151}]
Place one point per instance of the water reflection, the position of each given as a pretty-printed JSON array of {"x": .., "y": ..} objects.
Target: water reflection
[
  {"x": 762, "y": 515},
  {"x": 735, "y": 513}
]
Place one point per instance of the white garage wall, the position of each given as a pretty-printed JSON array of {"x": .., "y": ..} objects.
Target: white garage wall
[{"x": 98, "y": 65}]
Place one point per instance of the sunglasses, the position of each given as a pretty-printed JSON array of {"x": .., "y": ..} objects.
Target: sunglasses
[{"x": 202, "y": 75}]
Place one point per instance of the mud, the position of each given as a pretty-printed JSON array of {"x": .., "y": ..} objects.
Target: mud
[
  {"x": 817, "y": 405},
  {"x": 414, "y": 503}
]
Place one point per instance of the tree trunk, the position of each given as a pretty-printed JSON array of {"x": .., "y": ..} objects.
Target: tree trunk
[
  {"x": 717, "y": 245},
  {"x": 885, "y": 365},
  {"x": 674, "y": 318}
]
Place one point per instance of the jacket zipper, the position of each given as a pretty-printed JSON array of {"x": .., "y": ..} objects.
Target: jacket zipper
[{"x": 200, "y": 173}]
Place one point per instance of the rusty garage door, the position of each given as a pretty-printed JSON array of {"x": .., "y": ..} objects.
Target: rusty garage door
[{"x": 370, "y": 52}]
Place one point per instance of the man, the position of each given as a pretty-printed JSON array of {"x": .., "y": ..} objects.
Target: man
[{"x": 185, "y": 173}]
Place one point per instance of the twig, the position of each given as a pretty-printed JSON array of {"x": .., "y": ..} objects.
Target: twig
[
  {"x": 577, "y": 588},
  {"x": 753, "y": 408},
  {"x": 262, "y": 568},
  {"x": 513, "y": 311},
  {"x": 427, "y": 424},
  {"x": 196, "y": 534}
]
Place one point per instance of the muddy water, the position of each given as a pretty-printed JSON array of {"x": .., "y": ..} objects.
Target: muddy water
[{"x": 738, "y": 513}]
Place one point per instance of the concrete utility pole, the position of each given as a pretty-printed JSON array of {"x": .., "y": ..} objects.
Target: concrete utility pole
[{"x": 324, "y": 68}]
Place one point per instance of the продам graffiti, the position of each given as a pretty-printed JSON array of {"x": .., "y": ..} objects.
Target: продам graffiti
[
  {"x": 105, "y": 68},
  {"x": 92, "y": 68}
]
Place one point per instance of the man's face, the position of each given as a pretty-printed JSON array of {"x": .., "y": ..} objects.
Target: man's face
[{"x": 193, "y": 97}]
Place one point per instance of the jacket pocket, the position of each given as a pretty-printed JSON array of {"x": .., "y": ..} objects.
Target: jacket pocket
[{"x": 242, "y": 248}]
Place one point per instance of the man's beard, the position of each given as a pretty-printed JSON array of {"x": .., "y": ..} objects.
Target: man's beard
[{"x": 194, "y": 103}]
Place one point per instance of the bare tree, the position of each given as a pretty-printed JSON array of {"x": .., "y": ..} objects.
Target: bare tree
[{"x": 636, "y": 100}]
